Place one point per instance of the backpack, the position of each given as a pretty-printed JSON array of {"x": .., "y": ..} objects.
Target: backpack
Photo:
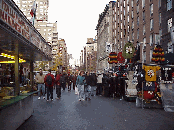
[
  {"x": 49, "y": 80},
  {"x": 62, "y": 79}
]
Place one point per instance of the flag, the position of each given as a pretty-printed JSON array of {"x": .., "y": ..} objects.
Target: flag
[
  {"x": 33, "y": 9},
  {"x": 33, "y": 12}
]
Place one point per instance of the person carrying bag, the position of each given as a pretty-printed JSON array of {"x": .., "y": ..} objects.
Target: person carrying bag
[{"x": 80, "y": 82}]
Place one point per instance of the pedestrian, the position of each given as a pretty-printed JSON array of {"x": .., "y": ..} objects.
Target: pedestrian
[
  {"x": 99, "y": 84},
  {"x": 49, "y": 81},
  {"x": 105, "y": 81},
  {"x": 112, "y": 89},
  {"x": 69, "y": 80},
  {"x": 57, "y": 83},
  {"x": 39, "y": 78},
  {"x": 74, "y": 78},
  {"x": 63, "y": 81},
  {"x": 80, "y": 82},
  {"x": 87, "y": 86},
  {"x": 93, "y": 83}
]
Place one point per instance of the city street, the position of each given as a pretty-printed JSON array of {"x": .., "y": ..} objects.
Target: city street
[{"x": 100, "y": 113}]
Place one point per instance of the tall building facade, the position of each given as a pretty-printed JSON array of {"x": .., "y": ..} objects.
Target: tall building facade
[
  {"x": 166, "y": 17},
  {"x": 104, "y": 35},
  {"x": 41, "y": 12},
  {"x": 62, "y": 51},
  {"x": 91, "y": 55},
  {"x": 46, "y": 29},
  {"x": 138, "y": 22},
  {"x": 141, "y": 22}
]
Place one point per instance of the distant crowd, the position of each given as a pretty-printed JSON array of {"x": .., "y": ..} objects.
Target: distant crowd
[{"x": 85, "y": 84}]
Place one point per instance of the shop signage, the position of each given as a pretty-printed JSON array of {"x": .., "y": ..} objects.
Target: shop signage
[
  {"x": 120, "y": 58},
  {"x": 128, "y": 51},
  {"x": 10, "y": 16}
]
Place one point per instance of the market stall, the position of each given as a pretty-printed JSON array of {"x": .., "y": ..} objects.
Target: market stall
[
  {"x": 167, "y": 87},
  {"x": 20, "y": 44}
]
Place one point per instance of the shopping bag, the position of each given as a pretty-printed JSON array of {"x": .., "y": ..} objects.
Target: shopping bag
[{"x": 76, "y": 90}]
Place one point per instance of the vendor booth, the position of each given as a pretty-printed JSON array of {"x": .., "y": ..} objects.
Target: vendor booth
[{"x": 20, "y": 44}]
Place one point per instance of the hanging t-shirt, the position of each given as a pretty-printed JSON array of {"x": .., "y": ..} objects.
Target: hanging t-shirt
[
  {"x": 150, "y": 72},
  {"x": 149, "y": 86},
  {"x": 166, "y": 73}
]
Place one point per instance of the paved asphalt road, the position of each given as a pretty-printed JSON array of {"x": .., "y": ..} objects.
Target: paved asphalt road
[{"x": 100, "y": 113}]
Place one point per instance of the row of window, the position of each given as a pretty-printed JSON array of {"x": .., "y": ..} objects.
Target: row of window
[{"x": 119, "y": 4}]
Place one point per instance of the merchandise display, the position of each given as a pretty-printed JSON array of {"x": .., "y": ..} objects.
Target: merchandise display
[
  {"x": 150, "y": 90},
  {"x": 150, "y": 74},
  {"x": 131, "y": 85}
]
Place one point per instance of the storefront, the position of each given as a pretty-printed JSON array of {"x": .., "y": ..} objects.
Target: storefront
[{"x": 20, "y": 44}]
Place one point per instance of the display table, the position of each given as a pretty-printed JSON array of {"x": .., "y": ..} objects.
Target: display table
[{"x": 14, "y": 112}]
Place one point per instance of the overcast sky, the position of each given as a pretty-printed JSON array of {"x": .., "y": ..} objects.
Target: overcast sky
[{"x": 76, "y": 21}]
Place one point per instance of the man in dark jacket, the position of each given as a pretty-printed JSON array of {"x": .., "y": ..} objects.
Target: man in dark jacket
[
  {"x": 106, "y": 82},
  {"x": 69, "y": 80},
  {"x": 63, "y": 81},
  {"x": 87, "y": 86},
  {"x": 93, "y": 83},
  {"x": 49, "y": 82}
]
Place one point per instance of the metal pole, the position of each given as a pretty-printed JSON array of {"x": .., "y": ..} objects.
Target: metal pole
[{"x": 17, "y": 87}]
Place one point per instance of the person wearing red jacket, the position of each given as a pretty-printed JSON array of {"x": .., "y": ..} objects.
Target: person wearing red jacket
[
  {"x": 49, "y": 82},
  {"x": 57, "y": 83}
]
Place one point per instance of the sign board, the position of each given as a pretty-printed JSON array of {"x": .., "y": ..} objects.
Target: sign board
[
  {"x": 15, "y": 19},
  {"x": 128, "y": 51}
]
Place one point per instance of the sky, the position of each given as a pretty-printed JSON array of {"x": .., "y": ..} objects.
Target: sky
[{"x": 76, "y": 21}]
